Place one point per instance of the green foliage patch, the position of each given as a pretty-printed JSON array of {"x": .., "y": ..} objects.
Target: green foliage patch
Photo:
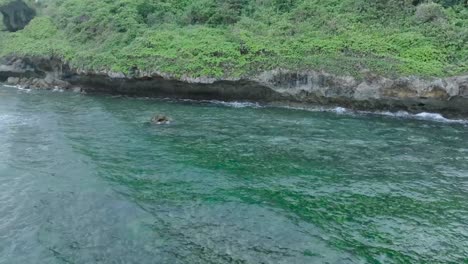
[{"x": 235, "y": 38}]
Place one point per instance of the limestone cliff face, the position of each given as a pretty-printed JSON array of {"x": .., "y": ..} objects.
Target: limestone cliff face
[
  {"x": 405, "y": 93},
  {"x": 414, "y": 94},
  {"x": 16, "y": 15}
]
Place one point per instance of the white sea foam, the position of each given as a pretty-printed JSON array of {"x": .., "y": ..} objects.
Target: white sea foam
[
  {"x": 234, "y": 104},
  {"x": 57, "y": 89},
  {"x": 439, "y": 118},
  {"x": 337, "y": 110},
  {"x": 436, "y": 117},
  {"x": 422, "y": 116},
  {"x": 237, "y": 104},
  {"x": 4, "y": 117},
  {"x": 340, "y": 110},
  {"x": 19, "y": 87},
  {"x": 431, "y": 116}
]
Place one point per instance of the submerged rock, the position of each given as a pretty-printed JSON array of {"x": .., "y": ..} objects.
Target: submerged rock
[{"x": 160, "y": 120}]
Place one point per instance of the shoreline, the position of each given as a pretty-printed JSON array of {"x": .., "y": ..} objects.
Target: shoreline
[
  {"x": 402, "y": 115},
  {"x": 447, "y": 96}
]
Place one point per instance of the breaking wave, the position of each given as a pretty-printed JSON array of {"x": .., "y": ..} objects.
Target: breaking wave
[
  {"x": 435, "y": 117},
  {"x": 338, "y": 110},
  {"x": 423, "y": 116},
  {"x": 236, "y": 104}
]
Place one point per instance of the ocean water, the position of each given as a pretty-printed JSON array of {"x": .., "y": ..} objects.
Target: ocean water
[{"x": 86, "y": 179}]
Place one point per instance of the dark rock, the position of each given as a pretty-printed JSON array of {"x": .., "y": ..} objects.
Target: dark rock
[
  {"x": 16, "y": 15},
  {"x": 463, "y": 84},
  {"x": 40, "y": 84},
  {"x": 160, "y": 120}
]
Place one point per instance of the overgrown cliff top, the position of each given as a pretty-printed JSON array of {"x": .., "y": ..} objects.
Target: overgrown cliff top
[{"x": 234, "y": 38}]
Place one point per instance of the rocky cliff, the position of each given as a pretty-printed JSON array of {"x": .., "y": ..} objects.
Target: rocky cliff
[
  {"x": 414, "y": 94},
  {"x": 16, "y": 15}
]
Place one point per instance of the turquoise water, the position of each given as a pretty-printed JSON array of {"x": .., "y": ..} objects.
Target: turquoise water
[{"x": 84, "y": 179}]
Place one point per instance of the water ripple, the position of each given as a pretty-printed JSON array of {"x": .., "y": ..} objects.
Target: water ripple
[{"x": 86, "y": 179}]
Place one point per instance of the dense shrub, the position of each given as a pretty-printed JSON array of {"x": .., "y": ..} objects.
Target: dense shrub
[
  {"x": 429, "y": 12},
  {"x": 241, "y": 37},
  {"x": 448, "y": 3}
]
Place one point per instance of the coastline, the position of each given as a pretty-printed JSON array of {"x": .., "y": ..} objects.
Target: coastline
[{"x": 447, "y": 96}]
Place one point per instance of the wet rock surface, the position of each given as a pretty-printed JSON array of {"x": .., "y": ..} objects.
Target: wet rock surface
[{"x": 37, "y": 83}]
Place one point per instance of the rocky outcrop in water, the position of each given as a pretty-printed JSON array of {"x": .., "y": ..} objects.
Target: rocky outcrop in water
[
  {"x": 38, "y": 83},
  {"x": 33, "y": 73},
  {"x": 16, "y": 15},
  {"x": 413, "y": 94},
  {"x": 160, "y": 120}
]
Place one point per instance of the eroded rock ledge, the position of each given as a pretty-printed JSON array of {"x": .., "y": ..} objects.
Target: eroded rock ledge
[{"x": 448, "y": 96}]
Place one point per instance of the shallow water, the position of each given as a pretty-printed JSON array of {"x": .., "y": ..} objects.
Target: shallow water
[{"x": 84, "y": 179}]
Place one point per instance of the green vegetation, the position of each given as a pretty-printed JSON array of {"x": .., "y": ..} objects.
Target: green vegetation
[{"x": 232, "y": 38}]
